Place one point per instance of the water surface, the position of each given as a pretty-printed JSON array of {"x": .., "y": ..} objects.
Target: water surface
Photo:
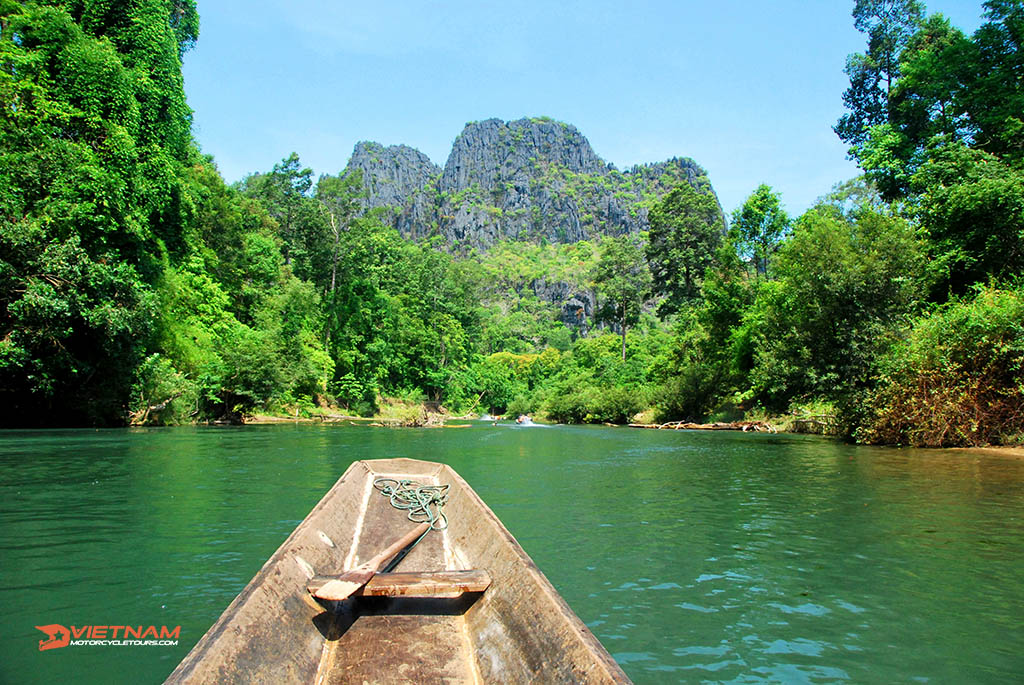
[{"x": 694, "y": 557}]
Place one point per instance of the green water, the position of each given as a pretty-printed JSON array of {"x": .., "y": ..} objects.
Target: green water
[{"x": 694, "y": 557}]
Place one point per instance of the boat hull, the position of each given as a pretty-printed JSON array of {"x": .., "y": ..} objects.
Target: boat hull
[{"x": 519, "y": 630}]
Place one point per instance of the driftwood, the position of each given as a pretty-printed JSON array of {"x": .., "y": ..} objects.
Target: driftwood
[
  {"x": 756, "y": 426},
  {"x": 139, "y": 417}
]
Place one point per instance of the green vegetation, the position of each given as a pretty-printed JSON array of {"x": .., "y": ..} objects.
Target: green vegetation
[
  {"x": 759, "y": 226},
  {"x": 624, "y": 280},
  {"x": 136, "y": 286},
  {"x": 944, "y": 134},
  {"x": 685, "y": 231},
  {"x": 958, "y": 379},
  {"x": 97, "y": 198}
]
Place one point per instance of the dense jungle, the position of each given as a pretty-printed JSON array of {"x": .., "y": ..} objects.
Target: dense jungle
[{"x": 526, "y": 276}]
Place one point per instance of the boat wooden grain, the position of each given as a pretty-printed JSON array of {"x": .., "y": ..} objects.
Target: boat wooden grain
[{"x": 518, "y": 630}]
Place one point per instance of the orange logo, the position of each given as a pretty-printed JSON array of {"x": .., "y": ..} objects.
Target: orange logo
[
  {"x": 108, "y": 636},
  {"x": 57, "y": 636}
]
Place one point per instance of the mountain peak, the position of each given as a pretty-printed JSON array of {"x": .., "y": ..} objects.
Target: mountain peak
[{"x": 527, "y": 179}]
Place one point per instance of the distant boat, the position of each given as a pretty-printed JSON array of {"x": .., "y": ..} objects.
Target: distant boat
[
  {"x": 524, "y": 420},
  {"x": 468, "y": 604}
]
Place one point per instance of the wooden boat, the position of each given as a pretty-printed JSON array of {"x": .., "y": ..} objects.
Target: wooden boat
[{"x": 413, "y": 626}]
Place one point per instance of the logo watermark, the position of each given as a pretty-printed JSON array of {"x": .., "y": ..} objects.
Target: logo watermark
[{"x": 108, "y": 636}]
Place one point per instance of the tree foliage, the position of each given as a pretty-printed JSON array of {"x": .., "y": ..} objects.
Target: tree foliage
[
  {"x": 958, "y": 379},
  {"x": 686, "y": 228},
  {"x": 845, "y": 287},
  {"x": 889, "y": 24},
  {"x": 951, "y": 144},
  {"x": 972, "y": 205},
  {"x": 94, "y": 138},
  {"x": 759, "y": 225},
  {"x": 622, "y": 277}
]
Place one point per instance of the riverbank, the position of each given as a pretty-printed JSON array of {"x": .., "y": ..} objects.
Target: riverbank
[
  {"x": 392, "y": 412},
  {"x": 398, "y": 413},
  {"x": 1013, "y": 452}
]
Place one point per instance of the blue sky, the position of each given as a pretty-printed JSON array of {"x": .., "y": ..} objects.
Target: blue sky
[{"x": 748, "y": 89}]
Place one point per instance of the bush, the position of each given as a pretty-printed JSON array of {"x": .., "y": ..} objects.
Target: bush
[
  {"x": 689, "y": 396},
  {"x": 846, "y": 287},
  {"x": 497, "y": 384},
  {"x": 161, "y": 394},
  {"x": 958, "y": 380},
  {"x": 520, "y": 405},
  {"x": 583, "y": 402},
  {"x": 695, "y": 374}
]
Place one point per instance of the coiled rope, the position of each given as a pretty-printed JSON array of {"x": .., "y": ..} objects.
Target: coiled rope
[{"x": 422, "y": 502}]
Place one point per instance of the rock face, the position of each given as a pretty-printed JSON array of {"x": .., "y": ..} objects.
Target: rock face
[
  {"x": 531, "y": 179},
  {"x": 577, "y": 304},
  {"x": 402, "y": 180}
]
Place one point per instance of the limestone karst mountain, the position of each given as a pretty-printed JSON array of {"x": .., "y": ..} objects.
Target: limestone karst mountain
[{"x": 531, "y": 179}]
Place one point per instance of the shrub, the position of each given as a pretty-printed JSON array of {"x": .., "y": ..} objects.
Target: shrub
[
  {"x": 161, "y": 394},
  {"x": 583, "y": 402},
  {"x": 520, "y": 405},
  {"x": 958, "y": 379}
]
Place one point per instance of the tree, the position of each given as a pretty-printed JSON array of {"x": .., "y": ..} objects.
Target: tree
[
  {"x": 873, "y": 75},
  {"x": 924, "y": 102},
  {"x": 971, "y": 204},
  {"x": 759, "y": 225},
  {"x": 94, "y": 138},
  {"x": 921, "y": 106},
  {"x": 845, "y": 288},
  {"x": 855, "y": 195},
  {"x": 338, "y": 198},
  {"x": 284, "y": 192},
  {"x": 623, "y": 278},
  {"x": 991, "y": 80},
  {"x": 951, "y": 145},
  {"x": 946, "y": 86},
  {"x": 686, "y": 228}
]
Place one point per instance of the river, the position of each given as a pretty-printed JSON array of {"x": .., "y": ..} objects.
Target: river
[{"x": 693, "y": 556}]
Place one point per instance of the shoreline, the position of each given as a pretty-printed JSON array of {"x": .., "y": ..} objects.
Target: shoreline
[
  {"x": 1007, "y": 451},
  {"x": 263, "y": 419}
]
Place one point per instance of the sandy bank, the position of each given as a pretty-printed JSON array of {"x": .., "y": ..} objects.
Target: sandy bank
[{"x": 1010, "y": 452}]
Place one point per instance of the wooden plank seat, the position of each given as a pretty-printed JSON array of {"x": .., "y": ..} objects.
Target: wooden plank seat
[{"x": 415, "y": 584}]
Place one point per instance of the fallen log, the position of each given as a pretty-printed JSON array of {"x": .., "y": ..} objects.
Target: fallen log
[
  {"x": 755, "y": 426},
  {"x": 140, "y": 416}
]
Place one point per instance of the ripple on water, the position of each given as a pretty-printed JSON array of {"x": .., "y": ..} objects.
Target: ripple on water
[
  {"x": 696, "y": 607},
  {"x": 799, "y": 646},
  {"x": 807, "y": 609},
  {"x": 631, "y": 657},
  {"x": 853, "y": 608},
  {"x": 722, "y": 558},
  {"x": 702, "y": 650},
  {"x": 794, "y": 673}
]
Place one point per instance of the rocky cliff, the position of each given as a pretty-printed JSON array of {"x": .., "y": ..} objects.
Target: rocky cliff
[
  {"x": 401, "y": 179},
  {"x": 535, "y": 180},
  {"x": 532, "y": 179}
]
